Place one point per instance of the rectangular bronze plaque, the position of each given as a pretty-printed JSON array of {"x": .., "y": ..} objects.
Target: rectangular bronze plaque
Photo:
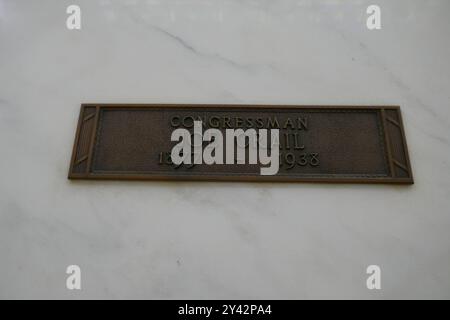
[{"x": 357, "y": 144}]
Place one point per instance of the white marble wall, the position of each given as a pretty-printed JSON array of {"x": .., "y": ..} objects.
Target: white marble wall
[{"x": 220, "y": 240}]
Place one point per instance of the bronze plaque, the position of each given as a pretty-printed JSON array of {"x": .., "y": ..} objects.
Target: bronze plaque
[{"x": 356, "y": 144}]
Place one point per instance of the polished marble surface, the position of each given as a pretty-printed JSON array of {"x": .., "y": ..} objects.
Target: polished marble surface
[{"x": 220, "y": 240}]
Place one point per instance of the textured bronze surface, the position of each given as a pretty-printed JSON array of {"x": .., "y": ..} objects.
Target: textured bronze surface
[{"x": 317, "y": 143}]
